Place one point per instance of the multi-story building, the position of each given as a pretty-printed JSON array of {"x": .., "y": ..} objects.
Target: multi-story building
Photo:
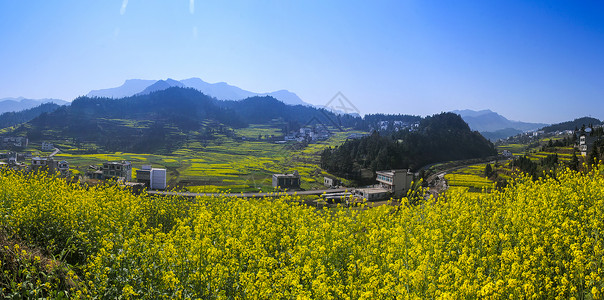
[
  {"x": 586, "y": 142},
  {"x": 397, "y": 182},
  {"x": 119, "y": 170},
  {"x": 153, "y": 178},
  {"x": 50, "y": 165}
]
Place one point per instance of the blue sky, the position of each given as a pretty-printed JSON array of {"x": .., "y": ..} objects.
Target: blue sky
[{"x": 538, "y": 61}]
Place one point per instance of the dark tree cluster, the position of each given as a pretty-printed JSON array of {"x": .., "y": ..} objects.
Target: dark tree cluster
[
  {"x": 572, "y": 125},
  {"x": 441, "y": 137},
  {"x": 9, "y": 119}
]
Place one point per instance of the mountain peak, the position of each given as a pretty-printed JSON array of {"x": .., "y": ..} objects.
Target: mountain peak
[
  {"x": 473, "y": 113},
  {"x": 220, "y": 90},
  {"x": 161, "y": 85},
  {"x": 127, "y": 89}
]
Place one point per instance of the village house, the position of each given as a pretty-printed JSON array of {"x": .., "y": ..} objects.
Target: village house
[
  {"x": 153, "y": 178},
  {"x": 94, "y": 173},
  {"x": 287, "y": 181},
  {"x": 331, "y": 182},
  {"x": 47, "y": 146},
  {"x": 50, "y": 165},
  {"x": 372, "y": 193},
  {"x": 392, "y": 183},
  {"x": 397, "y": 182},
  {"x": 121, "y": 170},
  {"x": 14, "y": 141},
  {"x": 586, "y": 142}
]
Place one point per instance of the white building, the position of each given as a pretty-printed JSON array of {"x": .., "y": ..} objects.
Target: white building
[
  {"x": 47, "y": 146},
  {"x": 397, "y": 182},
  {"x": 373, "y": 194},
  {"x": 153, "y": 178}
]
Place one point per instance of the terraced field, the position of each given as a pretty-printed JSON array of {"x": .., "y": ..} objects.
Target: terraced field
[
  {"x": 225, "y": 163},
  {"x": 470, "y": 178}
]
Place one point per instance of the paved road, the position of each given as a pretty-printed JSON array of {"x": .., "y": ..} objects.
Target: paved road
[
  {"x": 248, "y": 195},
  {"x": 54, "y": 152}
]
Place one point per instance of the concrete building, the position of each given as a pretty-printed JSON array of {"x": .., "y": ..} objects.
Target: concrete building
[
  {"x": 331, "y": 182},
  {"x": 287, "y": 181},
  {"x": 15, "y": 141},
  {"x": 586, "y": 142},
  {"x": 153, "y": 178},
  {"x": 117, "y": 170},
  {"x": 47, "y": 146},
  {"x": 50, "y": 165},
  {"x": 373, "y": 194},
  {"x": 397, "y": 182}
]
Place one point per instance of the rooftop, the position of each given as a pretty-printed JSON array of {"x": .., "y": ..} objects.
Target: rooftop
[
  {"x": 287, "y": 175},
  {"x": 123, "y": 162},
  {"x": 374, "y": 190},
  {"x": 392, "y": 172}
]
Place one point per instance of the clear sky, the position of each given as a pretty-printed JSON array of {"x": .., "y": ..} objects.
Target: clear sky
[{"x": 536, "y": 61}]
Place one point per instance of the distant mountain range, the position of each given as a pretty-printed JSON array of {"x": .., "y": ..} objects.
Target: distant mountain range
[
  {"x": 493, "y": 125},
  {"x": 158, "y": 120},
  {"x": 19, "y": 104},
  {"x": 220, "y": 90}
]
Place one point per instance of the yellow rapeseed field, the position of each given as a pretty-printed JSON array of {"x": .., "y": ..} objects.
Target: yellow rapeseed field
[{"x": 533, "y": 240}]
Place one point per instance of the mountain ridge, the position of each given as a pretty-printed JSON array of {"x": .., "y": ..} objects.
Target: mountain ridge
[
  {"x": 219, "y": 90},
  {"x": 20, "y": 103},
  {"x": 494, "y": 125}
]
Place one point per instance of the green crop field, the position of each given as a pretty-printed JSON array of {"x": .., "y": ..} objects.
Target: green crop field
[
  {"x": 224, "y": 163},
  {"x": 469, "y": 178}
]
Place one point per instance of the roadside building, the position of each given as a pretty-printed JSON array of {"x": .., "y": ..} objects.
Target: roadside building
[
  {"x": 287, "y": 181},
  {"x": 119, "y": 170},
  {"x": 373, "y": 193},
  {"x": 153, "y": 178},
  {"x": 398, "y": 182},
  {"x": 331, "y": 182}
]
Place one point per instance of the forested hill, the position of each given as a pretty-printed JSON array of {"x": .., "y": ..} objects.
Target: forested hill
[
  {"x": 9, "y": 119},
  {"x": 264, "y": 109},
  {"x": 441, "y": 137},
  {"x": 152, "y": 123},
  {"x": 572, "y": 125},
  {"x": 163, "y": 121}
]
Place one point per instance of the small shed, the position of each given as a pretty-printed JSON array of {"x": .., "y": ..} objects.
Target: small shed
[{"x": 331, "y": 182}]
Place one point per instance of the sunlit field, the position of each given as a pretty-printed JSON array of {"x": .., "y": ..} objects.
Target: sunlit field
[
  {"x": 470, "y": 177},
  {"x": 226, "y": 164},
  {"x": 533, "y": 239}
]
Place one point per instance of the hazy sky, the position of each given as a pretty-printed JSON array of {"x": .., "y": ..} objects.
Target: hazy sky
[{"x": 538, "y": 61}]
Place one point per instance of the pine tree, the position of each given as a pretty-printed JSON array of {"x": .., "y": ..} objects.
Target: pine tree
[{"x": 488, "y": 170}]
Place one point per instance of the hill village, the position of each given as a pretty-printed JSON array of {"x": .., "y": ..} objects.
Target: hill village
[{"x": 389, "y": 183}]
